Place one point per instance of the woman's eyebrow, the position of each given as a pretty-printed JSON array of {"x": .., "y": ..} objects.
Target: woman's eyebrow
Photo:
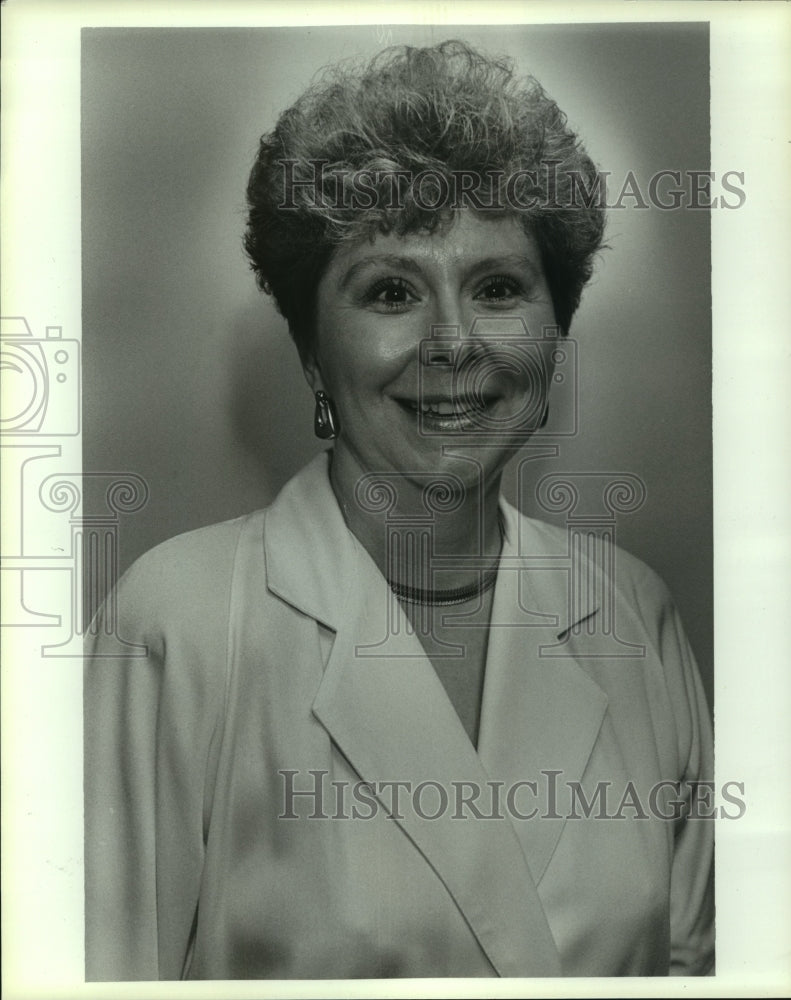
[
  {"x": 386, "y": 260},
  {"x": 524, "y": 262}
]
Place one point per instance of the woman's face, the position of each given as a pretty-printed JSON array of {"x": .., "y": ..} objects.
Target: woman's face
[{"x": 432, "y": 342}]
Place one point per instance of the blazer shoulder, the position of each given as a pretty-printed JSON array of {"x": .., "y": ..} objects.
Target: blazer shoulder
[
  {"x": 635, "y": 580},
  {"x": 199, "y": 548},
  {"x": 184, "y": 582}
]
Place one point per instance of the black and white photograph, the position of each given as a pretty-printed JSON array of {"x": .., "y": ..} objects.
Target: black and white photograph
[{"x": 381, "y": 492}]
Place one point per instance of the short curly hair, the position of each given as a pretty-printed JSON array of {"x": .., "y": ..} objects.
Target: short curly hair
[{"x": 351, "y": 158}]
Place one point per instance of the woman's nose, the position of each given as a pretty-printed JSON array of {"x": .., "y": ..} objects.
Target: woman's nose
[
  {"x": 449, "y": 327},
  {"x": 449, "y": 313},
  {"x": 453, "y": 333}
]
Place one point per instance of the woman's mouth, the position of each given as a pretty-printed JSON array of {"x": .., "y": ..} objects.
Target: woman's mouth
[{"x": 446, "y": 414}]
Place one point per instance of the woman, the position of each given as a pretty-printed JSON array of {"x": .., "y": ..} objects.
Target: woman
[{"x": 375, "y": 735}]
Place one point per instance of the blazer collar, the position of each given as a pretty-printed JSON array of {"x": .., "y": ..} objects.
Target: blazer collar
[
  {"x": 383, "y": 705},
  {"x": 311, "y": 555}
]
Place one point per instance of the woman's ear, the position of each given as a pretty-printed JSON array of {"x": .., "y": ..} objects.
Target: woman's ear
[{"x": 312, "y": 371}]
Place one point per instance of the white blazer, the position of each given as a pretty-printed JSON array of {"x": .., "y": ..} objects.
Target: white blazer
[{"x": 239, "y": 664}]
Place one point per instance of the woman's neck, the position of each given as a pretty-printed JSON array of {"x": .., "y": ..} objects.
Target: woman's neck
[{"x": 428, "y": 538}]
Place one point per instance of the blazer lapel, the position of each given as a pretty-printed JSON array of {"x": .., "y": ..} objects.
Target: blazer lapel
[
  {"x": 541, "y": 713},
  {"x": 384, "y": 707}
]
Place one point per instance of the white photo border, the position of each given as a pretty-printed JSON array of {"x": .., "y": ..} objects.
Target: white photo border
[{"x": 41, "y": 254}]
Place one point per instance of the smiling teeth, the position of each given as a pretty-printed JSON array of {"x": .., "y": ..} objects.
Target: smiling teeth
[{"x": 444, "y": 408}]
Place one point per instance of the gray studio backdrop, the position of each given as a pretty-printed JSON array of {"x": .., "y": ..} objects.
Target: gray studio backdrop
[{"x": 191, "y": 381}]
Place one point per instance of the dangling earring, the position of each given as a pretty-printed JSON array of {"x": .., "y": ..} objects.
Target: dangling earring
[
  {"x": 325, "y": 422},
  {"x": 545, "y": 417}
]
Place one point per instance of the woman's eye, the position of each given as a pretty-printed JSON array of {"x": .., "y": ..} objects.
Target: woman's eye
[
  {"x": 391, "y": 294},
  {"x": 499, "y": 289}
]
